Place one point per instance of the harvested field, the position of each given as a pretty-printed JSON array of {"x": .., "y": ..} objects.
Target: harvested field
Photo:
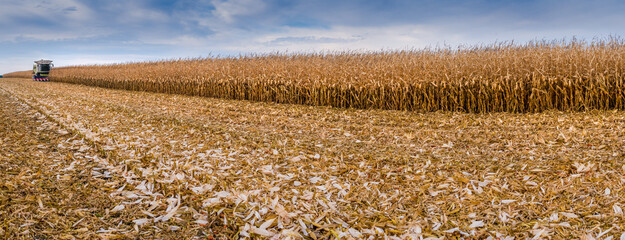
[
  {"x": 47, "y": 188},
  {"x": 559, "y": 75},
  {"x": 214, "y": 168}
]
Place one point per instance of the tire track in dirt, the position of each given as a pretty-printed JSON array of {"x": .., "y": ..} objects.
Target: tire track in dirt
[
  {"x": 47, "y": 190},
  {"x": 53, "y": 183}
]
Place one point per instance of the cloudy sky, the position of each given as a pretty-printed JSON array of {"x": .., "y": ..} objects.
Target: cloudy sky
[{"x": 75, "y": 32}]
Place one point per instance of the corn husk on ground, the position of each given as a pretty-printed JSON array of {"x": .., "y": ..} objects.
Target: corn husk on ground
[
  {"x": 211, "y": 168},
  {"x": 50, "y": 187},
  {"x": 505, "y": 77}
]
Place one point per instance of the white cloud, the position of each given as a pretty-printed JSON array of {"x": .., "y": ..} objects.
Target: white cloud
[
  {"x": 49, "y": 10},
  {"x": 228, "y": 10},
  {"x": 346, "y": 38},
  {"x": 47, "y": 36},
  {"x": 133, "y": 12},
  {"x": 292, "y": 39},
  {"x": 40, "y": 20}
]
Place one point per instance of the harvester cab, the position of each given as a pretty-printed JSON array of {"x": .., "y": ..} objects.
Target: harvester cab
[{"x": 41, "y": 70}]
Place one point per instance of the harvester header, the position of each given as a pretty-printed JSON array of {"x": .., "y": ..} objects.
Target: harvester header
[{"x": 41, "y": 70}]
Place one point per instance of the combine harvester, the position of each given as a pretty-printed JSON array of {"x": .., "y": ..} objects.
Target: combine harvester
[{"x": 41, "y": 70}]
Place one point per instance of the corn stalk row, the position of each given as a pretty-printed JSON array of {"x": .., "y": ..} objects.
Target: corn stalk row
[{"x": 503, "y": 77}]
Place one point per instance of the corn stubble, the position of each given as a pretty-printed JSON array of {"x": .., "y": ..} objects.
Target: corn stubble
[
  {"x": 289, "y": 171},
  {"x": 505, "y": 77}
]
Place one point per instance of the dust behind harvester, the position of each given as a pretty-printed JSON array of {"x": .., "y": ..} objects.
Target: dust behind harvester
[{"x": 41, "y": 70}]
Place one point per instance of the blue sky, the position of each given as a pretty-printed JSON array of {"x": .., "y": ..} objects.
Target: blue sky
[{"x": 76, "y": 32}]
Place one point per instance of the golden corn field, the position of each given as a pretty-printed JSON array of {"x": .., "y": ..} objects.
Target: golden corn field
[{"x": 505, "y": 77}]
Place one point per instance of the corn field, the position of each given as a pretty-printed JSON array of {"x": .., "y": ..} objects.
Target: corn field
[{"x": 504, "y": 77}]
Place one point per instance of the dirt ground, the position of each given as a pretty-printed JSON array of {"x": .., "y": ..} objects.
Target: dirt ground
[{"x": 80, "y": 162}]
